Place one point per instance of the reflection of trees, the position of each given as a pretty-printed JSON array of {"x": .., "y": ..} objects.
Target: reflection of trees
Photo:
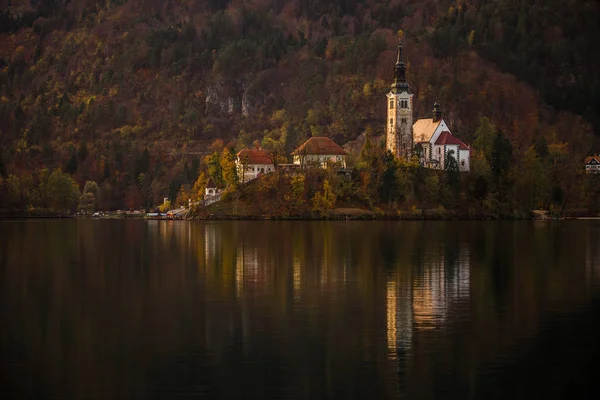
[{"x": 127, "y": 308}]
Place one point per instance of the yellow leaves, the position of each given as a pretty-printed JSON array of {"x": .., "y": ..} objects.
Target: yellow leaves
[
  {"x": 200, "y": 186},
  {"x": 471, "y": 38},
  {"x": 278, "y": 116},
  {"x": 19, "y": 51},
  {"x": 367, "y": 89},
  {"x": 129, "y": 131},
  {"x": 324, "y": 201},
  {"x": 165, "y": 206}
]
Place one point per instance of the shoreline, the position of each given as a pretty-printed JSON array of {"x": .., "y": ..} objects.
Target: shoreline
[{"x": 354, "y": 215}]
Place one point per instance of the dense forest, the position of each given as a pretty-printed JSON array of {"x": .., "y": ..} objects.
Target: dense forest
[{"x": 117, "y": 104}]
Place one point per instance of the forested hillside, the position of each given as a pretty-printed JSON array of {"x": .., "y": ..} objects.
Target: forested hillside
[
  {"x": 131, "y": 94},
  {"x": 548, "y": 43}
]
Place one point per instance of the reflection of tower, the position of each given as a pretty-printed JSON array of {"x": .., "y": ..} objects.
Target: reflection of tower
[
  {"x": 399, "y": 317},
  {"x": 297, "y": 278},
  {"x": 239, "y": 271}
]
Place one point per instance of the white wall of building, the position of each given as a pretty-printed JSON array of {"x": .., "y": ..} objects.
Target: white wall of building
[
  {"x": 319, "y": 159},
  {"x": 464, "y": 162},
  {"x": 436, "y": 152}
]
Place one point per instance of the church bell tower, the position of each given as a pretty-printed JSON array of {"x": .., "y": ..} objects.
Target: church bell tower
[{"x": 399, "y": 134}]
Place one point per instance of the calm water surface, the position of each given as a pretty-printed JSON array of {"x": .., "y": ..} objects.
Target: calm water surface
[{"x": 299, "y": 310}]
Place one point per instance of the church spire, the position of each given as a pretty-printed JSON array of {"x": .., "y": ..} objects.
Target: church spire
[
  {"x": 400, "y": 85},
  {"x": 437, "y": 112}
]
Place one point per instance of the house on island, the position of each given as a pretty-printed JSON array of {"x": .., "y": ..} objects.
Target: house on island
[
  {"x": 319, "y": 151},
  {"x": 592, "y": 164},
  {"x": 251, "y": 163},
  {"x": 430, "y": 137}
]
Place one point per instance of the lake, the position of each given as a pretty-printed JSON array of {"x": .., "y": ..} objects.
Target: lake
[{"x": 299, "y": 310}]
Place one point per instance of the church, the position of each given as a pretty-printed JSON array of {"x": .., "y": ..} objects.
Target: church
[{"x": 429, "y": 138}]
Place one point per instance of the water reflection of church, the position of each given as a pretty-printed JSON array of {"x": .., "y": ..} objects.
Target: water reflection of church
[{"x": 419, "y": 298}]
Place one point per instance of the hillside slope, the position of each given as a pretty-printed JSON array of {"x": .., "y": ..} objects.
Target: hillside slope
[{"x": 87, "y": 86}]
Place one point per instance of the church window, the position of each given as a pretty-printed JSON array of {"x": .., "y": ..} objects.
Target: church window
[
  {"x": 404, "y": 120},
  {"x": 462, "y": 162},
  {"x": 391, "y": 103},
  {"x": 391, "y": 121}
]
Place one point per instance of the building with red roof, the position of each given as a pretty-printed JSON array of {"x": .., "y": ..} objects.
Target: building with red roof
[
  {"x": 430, "y": 137},
  {"x": 592, "y": 164},
  {"x": 319, "y": 151},
  {"x": 436, "y": 143},
  {"x": 253, "y": 162}
]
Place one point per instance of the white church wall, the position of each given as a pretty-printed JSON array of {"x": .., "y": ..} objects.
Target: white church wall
[{"x": 465, "y": 160}]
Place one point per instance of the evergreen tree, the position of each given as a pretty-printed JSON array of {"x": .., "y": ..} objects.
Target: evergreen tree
[
  {"x": 71, "y": 166},
  {"x": 501, "y": 156}
]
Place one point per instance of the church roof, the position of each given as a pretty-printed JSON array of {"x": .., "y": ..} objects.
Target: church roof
[
  {"x": 320, "y": 146},
  {"x": 255, "y": 156},
  {"x": 448, "y": 138},
  {"x": 423, "y": 129},
  {"x": 211, "y": 184}
]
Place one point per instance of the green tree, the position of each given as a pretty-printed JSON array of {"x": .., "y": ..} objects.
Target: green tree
[
  {"x": 215, "y": 170},
  {"x": 88, "y": 201},
  {"x": 20, "y": 191},
  {"x": 484, "y": 137},
  {"x": 72, "y": 165},
  {"x": 452, "y": 177},
  {"x": 143, "y": 163},
  {"x": 62, "y": 192},
  {"x": 501, "y": 156},
  {"x": 532, "y": 183},
  {"x": 145, "y": 184},
  {"x": 480, "y": 175},
  {"x": 82, "y": 151}
]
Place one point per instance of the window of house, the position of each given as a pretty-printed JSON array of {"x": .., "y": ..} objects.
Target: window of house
[
  {"x": 391, "y": 103},
  {"x": 439, "y": 151},
  {"x": 462, "y": 162},
  {"x": 391, "y": 121}
]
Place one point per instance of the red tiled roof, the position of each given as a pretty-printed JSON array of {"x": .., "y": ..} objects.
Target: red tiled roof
[
  {"x": 320, "y": 146},
  {"x": 255, "y": 156},
  {"x": 447, "y": 138},
  {"x": 594, "y": 157}
]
